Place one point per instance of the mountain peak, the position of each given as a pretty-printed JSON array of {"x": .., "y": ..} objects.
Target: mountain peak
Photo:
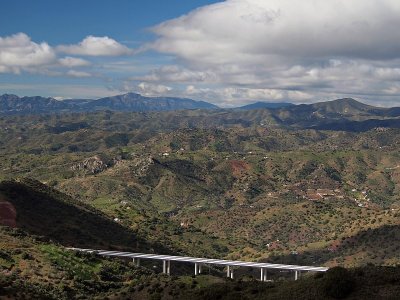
[
  {"x": 132, "y": 94},
  {"x": 343, "y": 106},
  {"x": 137, "y": 102},
  {"x": 9, "y": 96},
  {"x": 350, "y": 101}
]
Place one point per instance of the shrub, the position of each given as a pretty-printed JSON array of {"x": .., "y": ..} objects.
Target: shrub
[{"x": 118, "y": 139}]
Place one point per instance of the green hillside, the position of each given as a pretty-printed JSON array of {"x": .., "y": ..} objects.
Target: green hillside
[
  {"x": 243, "y": 192},
  {"x": 221, "y": 184}
]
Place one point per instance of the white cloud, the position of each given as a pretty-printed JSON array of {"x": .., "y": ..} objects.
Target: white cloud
[
  {"x": 77, "y": 91},
  {"x": 78, "y": 74},
  {"x": 192, "y": 90},
  {"x": 18, "y": 52},
  {"x": 149, "y": 89},
  {"x": 71, "y": 62},
  {"x": 250, "y": 30},
  {"x": 96, "y": 46},
  {"x": 284, "y": 49},
  {"x": 235, "y": 96},
  {"x": 174, "y": 73}
]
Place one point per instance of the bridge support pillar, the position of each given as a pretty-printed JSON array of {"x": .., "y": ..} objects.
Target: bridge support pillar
[
  {"x": 196, "y": 269},
  {"x": 167, "y": 267},
  {"x": 229, "y": 272},
  {"x": 200, "y": 268},
  {"x": 296, "y": 275},
  {"x": 136, "y": 261},
  {"x": 263, "y": 274}
]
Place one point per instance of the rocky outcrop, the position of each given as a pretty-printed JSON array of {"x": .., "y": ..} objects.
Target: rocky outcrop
[
  {"x": 94, "y": 165},
  {"x": 142, "y": 165}
]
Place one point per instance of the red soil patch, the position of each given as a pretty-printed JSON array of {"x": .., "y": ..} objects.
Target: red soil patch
[
  {"x": 8, "y": 214},
  {"x": 238, "y": 167},
  {"x": 335, "y": 246}
]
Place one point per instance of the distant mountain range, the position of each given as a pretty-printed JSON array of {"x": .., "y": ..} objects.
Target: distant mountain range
[
  {"x": 12, "y": 104},
  {"x": 340, "y": 114}
]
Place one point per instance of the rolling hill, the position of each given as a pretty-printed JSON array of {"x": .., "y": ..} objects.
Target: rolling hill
[
  {"x": 230, "y": 186},
  {"x": 218, "y": 183}
]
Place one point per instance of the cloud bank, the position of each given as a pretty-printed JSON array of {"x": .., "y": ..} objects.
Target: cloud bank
[
  {"x": 18, "y": 54},
  {"x": 327, "y": 48},
  {"x": 252, "y": 30}
]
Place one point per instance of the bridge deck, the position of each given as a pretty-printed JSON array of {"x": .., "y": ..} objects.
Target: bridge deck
[{"x": 197, "y": 260}]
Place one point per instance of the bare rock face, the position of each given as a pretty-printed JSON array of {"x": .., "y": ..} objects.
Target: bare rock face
[
  {"x": 8, "y": 214},
  {"x": 93, "y": 165},
  {"x": 142, "y": 165}
]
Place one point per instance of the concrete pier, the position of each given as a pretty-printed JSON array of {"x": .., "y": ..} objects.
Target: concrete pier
[
  {"x": 167, "y": 267},
  {"x": 296, "y": 275},
  {"x": 263, "y": 275}
]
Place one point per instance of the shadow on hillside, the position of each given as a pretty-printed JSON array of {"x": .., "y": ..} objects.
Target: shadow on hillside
[
  {"x": 378, "y": 245},
  {"x": 356, "y": 126},
  {"x": 46, "y": 212}
]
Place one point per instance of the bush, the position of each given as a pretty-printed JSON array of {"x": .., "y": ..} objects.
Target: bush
[
  {"x": 118, "y": 139},
  {"x": 338, "y": 283}
]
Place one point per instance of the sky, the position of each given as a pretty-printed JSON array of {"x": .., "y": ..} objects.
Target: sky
[{"x": 230, "y": 53}]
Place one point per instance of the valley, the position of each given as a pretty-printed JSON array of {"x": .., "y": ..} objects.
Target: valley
[{"x": 234, "y": 185}]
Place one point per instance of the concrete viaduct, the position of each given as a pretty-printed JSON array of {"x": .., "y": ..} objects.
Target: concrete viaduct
[{"x": 200, "y": 262}]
